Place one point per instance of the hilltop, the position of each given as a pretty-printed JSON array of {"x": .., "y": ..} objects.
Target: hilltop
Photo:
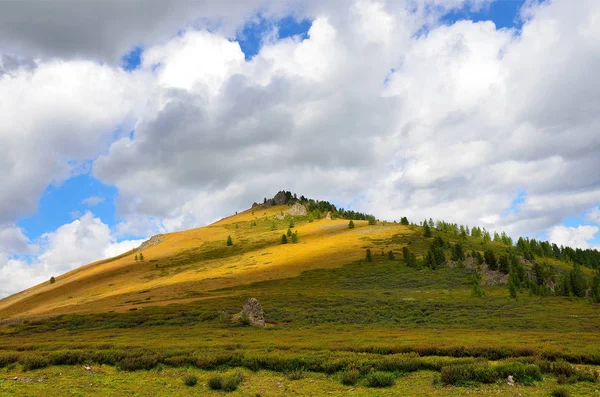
[{"x": 344, "y": 294}]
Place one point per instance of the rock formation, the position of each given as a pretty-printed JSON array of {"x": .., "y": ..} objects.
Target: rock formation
[
  {"x": 297, "y": 210},
  {"x": 253, "y": 311}
]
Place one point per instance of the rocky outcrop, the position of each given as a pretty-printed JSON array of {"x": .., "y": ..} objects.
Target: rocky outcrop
[
  {"x": 154, "y": 240},
  {"x": 328, "y": 216},
  {"x": 297, "y": 210},
  {"x": 253, "y": 311}
]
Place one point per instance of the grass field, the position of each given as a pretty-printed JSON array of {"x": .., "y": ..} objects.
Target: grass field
[{"x": 333, "y": 318}]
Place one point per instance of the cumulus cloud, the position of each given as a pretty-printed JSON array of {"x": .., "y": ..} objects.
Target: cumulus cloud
[
  {"x": 381, "y": 106},
  {"x": 576, "y": 237},
  {"x": 86, "y": 239},
  {"x": 593, "y": 215}
]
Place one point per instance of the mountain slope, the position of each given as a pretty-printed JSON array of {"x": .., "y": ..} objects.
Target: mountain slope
[{"x": 185, "y": 266}]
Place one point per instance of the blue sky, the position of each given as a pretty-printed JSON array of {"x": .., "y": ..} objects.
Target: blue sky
[{"x": 61, "y": 204}]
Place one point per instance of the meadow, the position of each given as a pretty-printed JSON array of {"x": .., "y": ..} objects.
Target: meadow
[{"x": 337, "y": 323}]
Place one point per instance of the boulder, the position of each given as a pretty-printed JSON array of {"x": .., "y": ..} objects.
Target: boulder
[
  {"x": 297, "y": 210},
  {"x": 328, "y": 216},
  {"x": 253, "y": 311},
  {"x": 280, "y": 198}
]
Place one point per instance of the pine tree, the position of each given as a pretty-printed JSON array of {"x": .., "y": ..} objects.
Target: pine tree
[
  {"x": 457, "y": 253},
  {"x": 503, "y": 265},
  {"x": 273, "y": 225},
  {"x": 289, "y": 232},
  {"x": 141, "y": 257},
  {"x": 351, "y": 224},
  {"x": 291, "y": 223},
  {"x": 490, "y": 259},
  {"x": 295, "y": 237},
  {"x": 52, "y": 280},
  {"x": 404, "y": 221},
  {"x": 229, "y": 241},
  {"x": 391, "y": 255},
  {"x": 369, "y": 256},
  {"x": 283, "y": 239},
  {"x": 426, "y": 230},
  {"x": 512, "y": 287},
  {"x": 136, "y": 258}
]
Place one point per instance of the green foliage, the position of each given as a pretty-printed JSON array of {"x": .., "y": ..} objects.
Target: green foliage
[
  {"x": 369, "y": 256},
  {"x": 435, "y": 256},
  {"x": 560, "y": 392},
  {"x": 512, "y": 287},
  {"x": 503, "y": 265},
  {"x": 409, "y": 257},
  {"x": 190, "y": 380},
  {"x": 141, "y": 257},
  {"x": 490, "y": 258},
  {"x": 52, "y": 280},
  {"x": 482, "y": 372},
  {"x": 349, "y": 377},
  {"x": 273, "y": 225},
  {"x": 371, "y": 219},
  {"x": 229, "y": 241},
  {"x": 244, "y": 319},
  {"x": 476, "y": 290},
  {"x": 351, "y": 224},
  {"x": 284, "y": 239},
  {"x": 390, "y": 255},
  {"x": 458, "y": 254},
  {"x": 291, "y": 223},
  {"x": 426, "y": 229},
  {"x": 289, "y": 232},
  {"x": 136, "y": 258},
  {"x": 295, "y": 374},
  {"x": 578, "y": 281},
  {"x": 380, "y": 379},
  {"x": 226, "y": 383},
  {"x": 404, "y": 221},
  {"x": 295, "y": 237}
]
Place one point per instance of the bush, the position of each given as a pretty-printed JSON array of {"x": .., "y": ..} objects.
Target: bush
[
  {"x": 31, "y": 362},
  {"x": 8, "y": 359},
  {"x": 380, "y": 379},
  {"x": 226, "y": 383},
  {"x": 190, "y": 380},
  {"x": 295, "y": 374},
  {"x": 349, "y": 377},
  {"x": 560, "y": 392},
  {"x": 135, "y": 363}
]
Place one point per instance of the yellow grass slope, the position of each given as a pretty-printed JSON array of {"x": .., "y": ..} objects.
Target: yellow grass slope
[{"x": 191, "y": 265}]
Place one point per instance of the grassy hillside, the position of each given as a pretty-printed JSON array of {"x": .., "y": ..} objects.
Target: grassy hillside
[{"x": 335, "y": 321}]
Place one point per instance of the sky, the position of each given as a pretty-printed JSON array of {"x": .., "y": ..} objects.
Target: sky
[{"x": 121, "y": 120}]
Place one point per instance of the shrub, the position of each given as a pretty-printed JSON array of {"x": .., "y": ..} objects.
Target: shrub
[
  {"x": 190, "y": 380},
  {"x": 369, "y": 255},
  {"x": 379, "y": 379},
  {"x": 283, "y": 239},
  {"x": 53, "y": 280},
  {"x": 8, "y": 359},
  {"x": 560, "y": 392},
  {"x": 215, "y": 382},
  {"x": 351, "y": 224},
  {"x": 229, "y": 241},
  {"x": 31, "y": 362},
  {"x": 295, "y": 374},
  {"x": 68, "y": 357},
  {"x": 349, "y": 377},
  {"x": 135, "y": 363}
]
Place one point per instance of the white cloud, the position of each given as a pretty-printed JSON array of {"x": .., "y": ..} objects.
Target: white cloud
[
  {"x": 576, "y": 237},
  {"x": 92, "y": 201},
  {"x": 85, "y": 240},
  {"x": 593, "y": 215}
]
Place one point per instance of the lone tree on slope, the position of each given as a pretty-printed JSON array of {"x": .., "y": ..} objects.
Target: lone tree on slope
[
  {"x": 351, "y": 224},
  {"x": 229, "y": 241}
]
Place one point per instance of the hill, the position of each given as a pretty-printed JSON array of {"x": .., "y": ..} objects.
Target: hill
[{"x": 420, "y": 306}]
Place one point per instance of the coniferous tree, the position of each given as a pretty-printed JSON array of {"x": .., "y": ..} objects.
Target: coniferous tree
[
  {"x": 391, "y": 255},
  {"x": 426, "y": 230},
  {"x": 503, "y": 265},
  {"x": 229, "y": 241},
  {"x": 350, "y": 224},
  {"x": 141, "y": 257},
  {"x": 490, "y": 259},
  {"x": 369, "y": 256},
  {"x": 289, "y": 232},
  {"x": 295, "y": 237},
  {"x": 52, "y": 280},
  {"x": 283, "y": 239},
  {"x": 273, "y": 225},
  {"x": 578, "y": 281},
  {"x": 457, "y": 253},
  {"x": 291, "y": 223},
  {"x": 136, "y": 258},
  {"x": 404, "y": 221},
  {"x": 512, "y": 287}
]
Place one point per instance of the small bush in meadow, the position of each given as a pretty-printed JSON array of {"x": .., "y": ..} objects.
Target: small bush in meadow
[
  {"x": 31, "y": 362},
  {"x": 380, "y": 379},
  {"x": 215, "y": 382},
  {"x": 190, "y": 380},
  {"x": 349, "y": 377},
  {"x": 226, "y": 383},
  {"x": 295, "y": 374},
  {"x": 560, "y": 392}
]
